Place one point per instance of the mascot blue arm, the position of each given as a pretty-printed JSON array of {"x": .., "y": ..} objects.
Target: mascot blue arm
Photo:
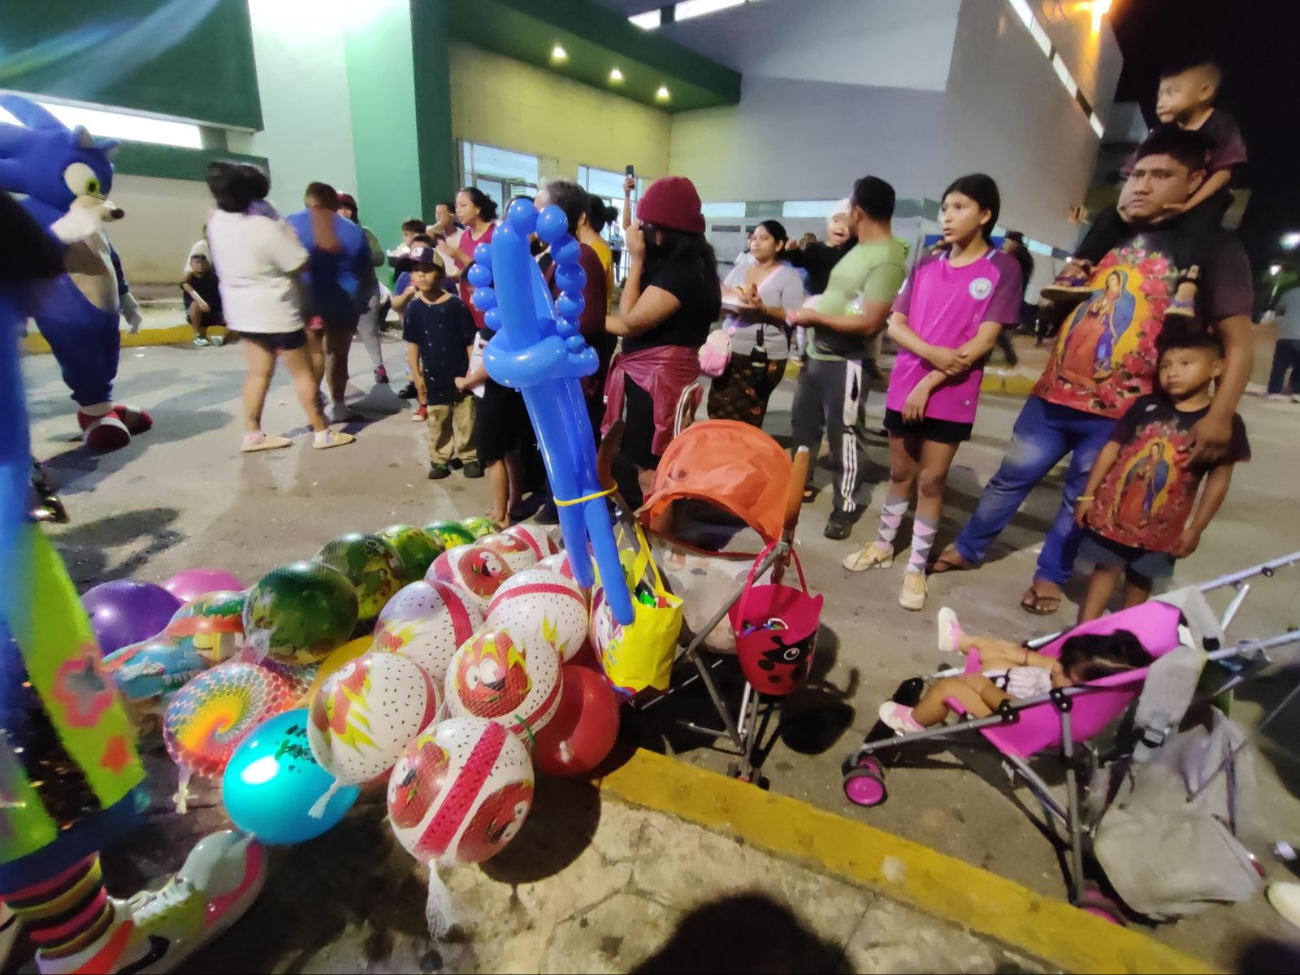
[{"x": 542, "y": 353}]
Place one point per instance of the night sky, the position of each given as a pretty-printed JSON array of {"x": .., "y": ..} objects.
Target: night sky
[{"x": 1258, "y": 44}]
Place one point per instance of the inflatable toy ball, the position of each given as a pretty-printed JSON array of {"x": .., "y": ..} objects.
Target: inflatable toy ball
[
  {"x": 427, "y": 622},
  {"x": 541, "y": 606},
  {"x": 370, "y": 564},
  {"x": 125, "y": 611},
  {"x": 497, "y": 676},
  {"x": 475, "y": 569},
  {"x": 272, "y": 783},
  {"x": 299, "y": 613}
]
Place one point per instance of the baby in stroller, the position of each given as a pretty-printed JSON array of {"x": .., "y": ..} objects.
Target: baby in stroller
[{"x": 1009, "y": 671}]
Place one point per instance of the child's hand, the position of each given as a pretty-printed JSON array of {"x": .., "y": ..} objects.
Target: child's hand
[
  {"x": 462, "y": 383},
  {"x": 950, "y": 362},
  {"x": 203, "y": 305},
  {"x": 801, "y": 316},
  {"x": 1169, "y": 211},
  {"x": 914, "y": 406},
  {"x": 1187, "y": 543},
  {"x": 1082, "y": 512}
]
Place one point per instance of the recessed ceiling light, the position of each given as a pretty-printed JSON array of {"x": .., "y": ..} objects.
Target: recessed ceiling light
[
  {"x": 559, "y": 54},
  {"x": 615, "y": 75},
  {"x": 663, "y": 94}
]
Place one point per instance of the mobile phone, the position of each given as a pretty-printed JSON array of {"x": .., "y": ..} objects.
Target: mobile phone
[{"x": 630, "y": 170}]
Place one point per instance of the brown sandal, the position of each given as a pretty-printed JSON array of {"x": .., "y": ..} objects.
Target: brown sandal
[
  {"x": 1035, "y": 602},
  {"x": 943, "y": 563}
]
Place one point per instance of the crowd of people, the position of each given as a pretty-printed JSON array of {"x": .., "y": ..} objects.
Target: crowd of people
[{"x": 1140, "y": 390}]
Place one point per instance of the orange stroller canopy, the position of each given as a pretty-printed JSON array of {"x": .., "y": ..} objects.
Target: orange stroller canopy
[{"x": 730, "y": 464}]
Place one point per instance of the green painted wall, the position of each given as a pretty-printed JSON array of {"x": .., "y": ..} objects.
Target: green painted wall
[
  {"x": 186, "y": 58},
  {"x": 173, "y": 162},
  {"x": 385, "y": 135},
  {"x": 430, "y": 35}
]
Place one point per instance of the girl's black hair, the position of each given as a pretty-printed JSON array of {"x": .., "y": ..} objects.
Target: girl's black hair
[
  {"x": 777, "y": 229},
  {"x": 1091, "y": 656},
  {"x": 984, "y": 192},
  {"x": 599, "y": 213},
  {"x": 678, "y": 246},
  {"x": 236, "y": 186},
  {"x": 569, "y": 197},
  {"x": 487, "y": 207}
]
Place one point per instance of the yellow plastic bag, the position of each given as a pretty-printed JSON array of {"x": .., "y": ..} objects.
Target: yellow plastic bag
[{"x": 641, "y": 655}]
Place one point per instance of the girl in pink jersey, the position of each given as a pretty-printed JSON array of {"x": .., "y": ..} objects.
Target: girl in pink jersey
[{"x": 944, "y": 321}]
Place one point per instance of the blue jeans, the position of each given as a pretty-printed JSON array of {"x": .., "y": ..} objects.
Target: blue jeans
[{"x": 1044, "y": 433}]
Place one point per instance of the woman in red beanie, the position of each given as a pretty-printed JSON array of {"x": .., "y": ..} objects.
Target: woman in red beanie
[{"x": 670, "y": 300}]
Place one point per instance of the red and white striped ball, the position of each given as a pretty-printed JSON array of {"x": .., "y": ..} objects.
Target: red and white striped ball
[
  {"x": 541, "y": 606},
  {"x": 517, "y": 553},
  {"x": 535, "y": 537},
  {"x": 476, "y": 569},
  {"x": 460, "y": 792},
  {"x": 427, "y": 622},
  {"x": 497, "y": 676},
  {"x": 366, "y": 714}
]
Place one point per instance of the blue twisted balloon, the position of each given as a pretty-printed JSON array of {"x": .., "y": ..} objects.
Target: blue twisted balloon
[{"x": 539, "y": 351}]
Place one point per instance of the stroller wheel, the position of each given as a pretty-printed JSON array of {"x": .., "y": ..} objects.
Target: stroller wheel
[{"x": 865, "y": 785}]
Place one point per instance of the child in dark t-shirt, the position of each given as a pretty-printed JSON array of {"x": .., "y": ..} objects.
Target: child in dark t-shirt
[
  {"x": 439, "y": 332},
  {"x": 1140, "y": 507},
  {"x": 1186, "y": 100}
]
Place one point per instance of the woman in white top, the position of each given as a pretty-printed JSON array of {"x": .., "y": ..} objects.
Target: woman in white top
[
  {"x": 755, "y": 299},
  {"x": 258, "y": 258}
]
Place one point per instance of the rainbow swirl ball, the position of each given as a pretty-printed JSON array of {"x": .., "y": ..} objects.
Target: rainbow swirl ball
[
  {"x": 299, "y": 613},
  {"x": 415, "y": 548},
  {"x": 214, "y": 712},
  {"x": 370, "y": 564},
  {"x": 449, "y": 534}
]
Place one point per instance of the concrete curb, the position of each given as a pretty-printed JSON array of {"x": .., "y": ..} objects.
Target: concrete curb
[
  {"x": 34, "y": 343},
  {"x": 905, "y": 871}
]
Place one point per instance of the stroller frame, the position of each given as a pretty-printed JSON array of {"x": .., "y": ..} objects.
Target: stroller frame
[{"x": 863, "y": 763}]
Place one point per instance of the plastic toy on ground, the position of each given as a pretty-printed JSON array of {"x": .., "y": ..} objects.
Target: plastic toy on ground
[
  {"x": 125, "y": 611},
  {"x": 299, "y": 612}
]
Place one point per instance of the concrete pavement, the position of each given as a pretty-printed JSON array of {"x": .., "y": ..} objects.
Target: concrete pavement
[{"x": 182, "y": 495}]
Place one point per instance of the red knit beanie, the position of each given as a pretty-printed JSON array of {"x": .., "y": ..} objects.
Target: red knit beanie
[{"x": 671, "y": 202}]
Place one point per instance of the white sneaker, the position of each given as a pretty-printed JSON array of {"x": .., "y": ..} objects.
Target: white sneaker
[
  {"x": 1279, "y": 397},
  {"x": 200, "y": 342},
  {"x": 949, "y": 630},
  {"x": 914, "y": 591},
  {"x": 1285, "y": 898},
  {"x": 339, "y": 413},
  {"x": 218, "y": 340}
]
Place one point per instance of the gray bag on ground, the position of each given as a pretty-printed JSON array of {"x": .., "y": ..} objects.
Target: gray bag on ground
[{"x": 1165, "y": 856}]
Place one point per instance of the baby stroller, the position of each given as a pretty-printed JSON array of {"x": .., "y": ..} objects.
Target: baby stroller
[
  {"x": 720, "y": 519},
  {"x": 1065, "y": 720}
]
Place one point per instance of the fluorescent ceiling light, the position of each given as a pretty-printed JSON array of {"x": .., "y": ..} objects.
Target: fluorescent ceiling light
[
  {"x": 615, "y": 76},
  {"x": 700, "y": 8},
  {"x": 1063, "y": 73},
  {"x": 559, "y": 54},
  {"x": 108, "y": 124},
  {"x": 648, "y": 20},
  {"x": 663, "y": 94}
]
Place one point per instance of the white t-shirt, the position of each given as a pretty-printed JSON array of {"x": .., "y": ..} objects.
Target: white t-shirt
[{"x": 256, "y": 259}]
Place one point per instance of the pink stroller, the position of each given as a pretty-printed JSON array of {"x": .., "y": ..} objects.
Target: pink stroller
[{"x": 1063, "y": 719}]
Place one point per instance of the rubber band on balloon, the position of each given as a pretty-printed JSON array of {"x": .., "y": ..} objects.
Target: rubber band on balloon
[
  {"x": 541, "y": 352},
  {"x": 585, "y": 498}
]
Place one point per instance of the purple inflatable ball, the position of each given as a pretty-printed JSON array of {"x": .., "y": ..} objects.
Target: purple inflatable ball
[
  {"x": 192, "y": 583},
  {"x": 124, "y": 612}
]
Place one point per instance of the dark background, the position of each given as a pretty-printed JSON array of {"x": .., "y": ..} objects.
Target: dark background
[{"x": 1258, "y": 44}]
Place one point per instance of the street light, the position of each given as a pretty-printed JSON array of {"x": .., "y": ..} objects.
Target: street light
[
  {"x": 1291, "y": 241},
  {"x": 1275, "y": 272}
]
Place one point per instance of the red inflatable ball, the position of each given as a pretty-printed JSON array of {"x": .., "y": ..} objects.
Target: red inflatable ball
[{"x": 584, "y": 728}]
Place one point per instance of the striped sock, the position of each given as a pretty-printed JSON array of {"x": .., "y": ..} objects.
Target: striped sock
[
  {"x": 67, "y": 912},
  {"x": 923, "y": 532},
  {"x": 891, "y": 516}
]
